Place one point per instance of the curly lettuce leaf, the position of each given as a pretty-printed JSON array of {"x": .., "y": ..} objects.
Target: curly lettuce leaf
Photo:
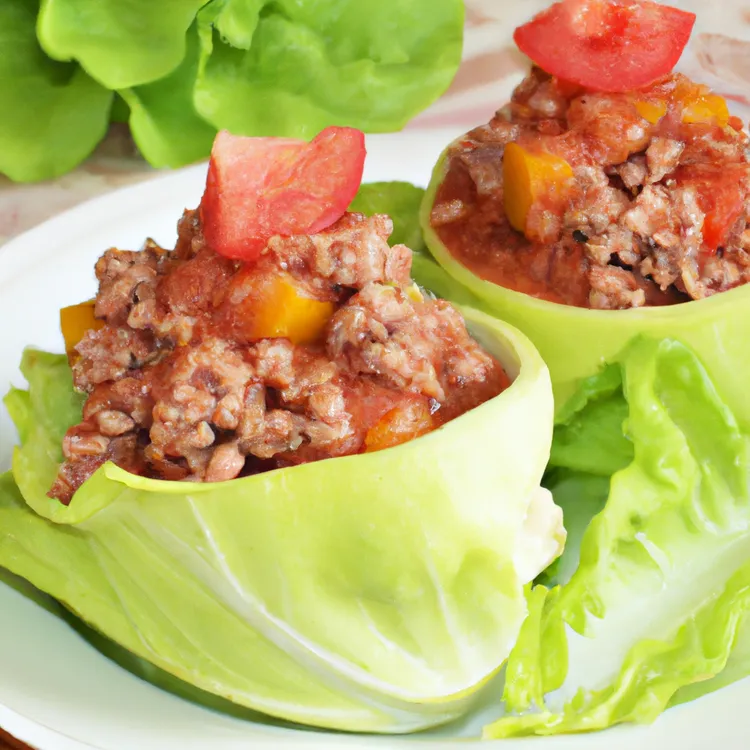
[
  {"x": 660, "y": 584},
  {"x": 120, "y": 43},
  {"x": 376, "y": 592},
  {"x": 291, "y": 69},
  {"x": 163, "y": 121},
  {"x": 54, "y": 114}
]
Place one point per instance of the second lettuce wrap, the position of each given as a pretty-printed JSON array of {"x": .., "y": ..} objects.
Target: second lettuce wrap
[{"x": 648, "y": 607}]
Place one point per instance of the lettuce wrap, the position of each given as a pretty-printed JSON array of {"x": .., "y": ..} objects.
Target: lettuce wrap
[
  {"x": 648, "y": 606},
  {"x": 376, "y": 592}
]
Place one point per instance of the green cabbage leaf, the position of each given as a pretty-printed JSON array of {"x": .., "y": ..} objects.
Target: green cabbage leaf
[{"x": 376, "y": 592}]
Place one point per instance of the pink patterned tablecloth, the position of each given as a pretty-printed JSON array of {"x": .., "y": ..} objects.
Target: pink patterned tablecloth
[{"x": 719, "y": 54}]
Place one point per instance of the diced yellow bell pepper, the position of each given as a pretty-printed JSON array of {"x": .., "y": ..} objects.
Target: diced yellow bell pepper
[
  {"x": 651, "y": 111},
  {"x": 278, "y": 309},
  {"x": 414, "y": 293},
  {"x": 403, "y": 423},
  {"x": 710, "y": 109},
  {"x": 527, "y": 176},
  {"x": 75, "y": 321}
]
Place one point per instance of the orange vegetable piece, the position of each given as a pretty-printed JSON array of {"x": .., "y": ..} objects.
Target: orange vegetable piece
[
  {"x": 527, "y": 177},
  {"x": 75, "y": 321},
  {"x": 651, "y": 111},
  {"x": 708, "y": 109},
  {"x": 404, "y": 422},
  {"x": 276, "y": 307}
]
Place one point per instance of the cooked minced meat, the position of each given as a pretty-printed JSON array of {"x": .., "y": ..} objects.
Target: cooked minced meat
[
  {"x": 656, "y": 211},
  {"x": 181, "y": 387}
]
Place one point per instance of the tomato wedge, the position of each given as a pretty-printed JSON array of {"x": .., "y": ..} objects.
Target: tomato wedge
[
  {"x": 260, "y": 187},
  {"x": 606, "y": 45}
]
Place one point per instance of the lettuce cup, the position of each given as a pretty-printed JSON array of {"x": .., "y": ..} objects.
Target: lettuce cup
[
  {"x": 605, "y": 212},
  {"x": 274, "y": 468}
]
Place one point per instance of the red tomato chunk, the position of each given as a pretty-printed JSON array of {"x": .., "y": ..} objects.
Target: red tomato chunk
[
  {"x": 261, "y": 187},
  {"x": 606, "y": 45}
]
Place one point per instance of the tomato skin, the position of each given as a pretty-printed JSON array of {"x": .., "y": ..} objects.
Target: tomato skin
[
  {"x": 606, "y": 45},
  {"x": 260, "y": 187}
]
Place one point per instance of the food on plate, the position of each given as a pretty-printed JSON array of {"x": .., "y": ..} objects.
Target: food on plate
[
  {"x": 604, "y": 211},
  {"x": 272, "y": 466},
  {"x": 178, "y": 72}
]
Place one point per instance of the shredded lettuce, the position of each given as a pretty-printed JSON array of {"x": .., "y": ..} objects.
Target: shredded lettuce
[
  {"x": 54, "y": 114},
  {"x": 376, "y": 592},
  {"x": 653, "y": 601}
]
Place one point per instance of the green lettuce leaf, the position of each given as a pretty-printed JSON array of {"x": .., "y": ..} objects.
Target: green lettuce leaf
[
  {"x": 581, "y": 496},
  {"x": 120, "y": 43},
  {"x": 655, "y": 596},
  {"x": 53, "y": 113},
  {"x": 163, "y": 121},
  {"x": 376, "y": 592},
  {"x": 575, "y": 342},
  {"x": 288, "y": 68},
  {"x": 400, "y": 201}
]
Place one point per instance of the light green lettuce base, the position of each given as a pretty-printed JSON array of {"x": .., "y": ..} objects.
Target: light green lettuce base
[
  {"x": 576, "y": 342},
  {"x": 373, "y": 593}
]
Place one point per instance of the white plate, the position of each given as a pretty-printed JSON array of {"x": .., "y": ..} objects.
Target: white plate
[{"x": 59, "y": 693}]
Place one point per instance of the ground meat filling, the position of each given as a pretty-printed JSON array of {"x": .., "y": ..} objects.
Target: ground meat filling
[
  {"x": 181, "y": 386},
  {"x": 656, "y": 212}
]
